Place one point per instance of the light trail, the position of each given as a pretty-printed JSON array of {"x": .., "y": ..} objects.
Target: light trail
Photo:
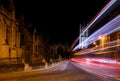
[
  {"x": 99, "y": 66},
  {"x": 105, "y": 63},
  {"x": 107, "y": 45},
  {"x": 105, "y": 8},
  {"x": 111, "y": 27},
  {"x": 102, "y": 11}
]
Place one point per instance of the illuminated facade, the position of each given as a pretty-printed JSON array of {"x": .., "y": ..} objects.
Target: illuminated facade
[
  {"x": 10, "y": 50},
  {"x": 19, "y": 47},
  {"x": 83, "y": 37}
]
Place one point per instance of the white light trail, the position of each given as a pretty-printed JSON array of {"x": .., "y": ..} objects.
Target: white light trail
[
  {"x": 99, "y": 47},
  {"x": 104, "y": 9},
  {"x": 99, "y": 14},
  {"x": 111, "y": 27}
]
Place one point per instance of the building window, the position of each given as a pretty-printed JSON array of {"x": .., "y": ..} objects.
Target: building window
[{"x": 35, "y": 36}]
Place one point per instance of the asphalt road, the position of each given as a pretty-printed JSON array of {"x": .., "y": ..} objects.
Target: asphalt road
[{"x": 64, "y": 71}]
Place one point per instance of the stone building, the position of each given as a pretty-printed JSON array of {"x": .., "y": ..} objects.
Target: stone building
[
  {"x": 31, "y": 44},
  {"x": 26, "y": 40},
  {"x": 37, "y": 47},
  {"x": 10, "y": 50},
  {"x": 19, "y": 46}
]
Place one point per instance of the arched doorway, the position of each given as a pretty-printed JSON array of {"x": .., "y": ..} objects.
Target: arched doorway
[{"x": 60, "y": 51}]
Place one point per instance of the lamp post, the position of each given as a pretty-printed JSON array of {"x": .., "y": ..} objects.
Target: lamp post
[{"x": 95, "y": 44}]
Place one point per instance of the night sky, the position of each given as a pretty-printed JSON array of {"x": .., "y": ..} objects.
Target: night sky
[{"x": 58, "y": 21}]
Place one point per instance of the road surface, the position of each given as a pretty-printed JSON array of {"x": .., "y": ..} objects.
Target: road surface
[{"x": 63, "y": 71}]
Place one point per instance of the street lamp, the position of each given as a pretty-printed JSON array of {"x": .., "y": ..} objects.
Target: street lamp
[{"x": 102, "y": 40}]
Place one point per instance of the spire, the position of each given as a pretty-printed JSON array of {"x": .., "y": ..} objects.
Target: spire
[{"x": 11, "y": 6}]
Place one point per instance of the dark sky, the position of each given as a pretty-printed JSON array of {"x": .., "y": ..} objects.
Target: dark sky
[{"x": 58, "y": 20}]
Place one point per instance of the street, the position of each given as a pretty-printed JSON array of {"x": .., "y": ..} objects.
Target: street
[{"x": 63, "y": 71}]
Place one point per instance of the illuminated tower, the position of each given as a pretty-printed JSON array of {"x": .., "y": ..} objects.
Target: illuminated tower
[{"x": 85, "y": 35}]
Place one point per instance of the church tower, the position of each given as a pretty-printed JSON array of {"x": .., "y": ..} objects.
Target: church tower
[{"x": 85, "y": 35}]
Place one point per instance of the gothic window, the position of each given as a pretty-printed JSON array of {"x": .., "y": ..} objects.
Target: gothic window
[
  {"x": 4, "y": 20},
  {"x": 35, "y": 48},
  {"x": 7, "y": 35},
  {"x": 28, "y": 48},
  {"x": 35, "y": 36},
  {"x": 21, "y": 40}
]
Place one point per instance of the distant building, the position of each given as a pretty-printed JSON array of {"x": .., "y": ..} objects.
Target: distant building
[
  {"x": 85, "y": 35},
  {"x": 58, "y": 51}
]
